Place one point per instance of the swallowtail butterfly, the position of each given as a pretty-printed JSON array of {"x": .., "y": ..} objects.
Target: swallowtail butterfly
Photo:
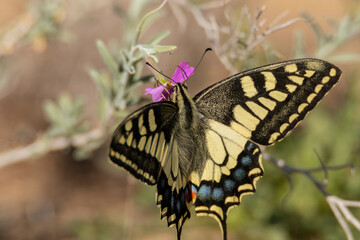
[{"x": 203, "y": 151}]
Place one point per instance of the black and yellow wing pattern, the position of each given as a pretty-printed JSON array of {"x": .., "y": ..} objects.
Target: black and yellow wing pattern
[
  {"x": 265, "y": 103},
  {"x": 144, "y": 145},
  {"x": 262, "y": 105},
  {"x": 203, "y": 150}
]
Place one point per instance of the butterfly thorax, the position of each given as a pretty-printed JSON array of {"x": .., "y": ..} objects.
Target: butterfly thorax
[{"x": 189, "y": 132}]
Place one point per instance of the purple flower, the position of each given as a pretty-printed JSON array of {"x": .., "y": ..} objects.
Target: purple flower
[{"x": 162, "y": 92}]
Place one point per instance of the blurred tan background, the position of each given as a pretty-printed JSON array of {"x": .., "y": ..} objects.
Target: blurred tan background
[{"x": 57, "y": 197}]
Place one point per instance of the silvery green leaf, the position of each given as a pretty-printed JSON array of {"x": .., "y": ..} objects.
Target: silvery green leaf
[
  {"x": 51, "y": 111},
  {"x": 158, "y": 38},
  {"x": 103, "y": 108},
  {"x": 102, "y": 82},
  {"x": 144, "y": 19},
  {"x": 127, "y": 60},
  {"x": 65, "y": 102},
  {"x": 65, "y": 116},
  {"x": 138, "y": 72},
  {"x": 106, "y": 56},
  {"x": 165, "y": 48}
]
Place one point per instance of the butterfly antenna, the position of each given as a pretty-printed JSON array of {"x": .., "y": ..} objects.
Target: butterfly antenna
[
  {"x": 147, "y": 63},
  {"x": 183, "y": 73},
  {"x": 206, "y": 50},
  {"x": 203, "y": 55}
]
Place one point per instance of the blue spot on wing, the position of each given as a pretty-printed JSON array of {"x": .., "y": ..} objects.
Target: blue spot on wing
[
  {"x": 239, "y": 174},
  {"x": 250, "y": 146},
  {"x": 229, "y": 185},
  {"x": 246, "y": 160},
  {"x": 204, "y": 191},
  {"x": 218, "y": 194},
  {"x": 214, "y": 193}
]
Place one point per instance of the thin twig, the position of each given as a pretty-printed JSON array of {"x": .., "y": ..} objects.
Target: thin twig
[
  {"x": 290, "y": 170},
  {"x": 213, "y": 4},
  {"x": 229, "y": 42},
  {"x": 340, "y": 218},
  {"x": 338, "y": 206},
  {"x": 44, "y": 145},
  {"x": 342, "y": 213}
]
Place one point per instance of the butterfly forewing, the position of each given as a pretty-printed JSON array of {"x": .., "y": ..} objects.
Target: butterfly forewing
[
  {"x": 144, "y": 145},
  {"x": 132, "y": 141},
  {"x": 264, "y": 104}
]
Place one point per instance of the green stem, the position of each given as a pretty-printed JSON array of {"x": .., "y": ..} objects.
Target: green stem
[{"x": 141, "y": 24}]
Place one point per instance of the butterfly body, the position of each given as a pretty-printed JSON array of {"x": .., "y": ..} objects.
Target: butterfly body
[
  {"x": 203, "y": 150},
  {"x": 188, "y": 130}
]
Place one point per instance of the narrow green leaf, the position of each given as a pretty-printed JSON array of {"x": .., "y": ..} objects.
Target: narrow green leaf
[
  {"x": 158, "y": 38},
  {"x": 165, "y": 48},
  {"x": 101, "y": 82},
  {"x": 51, "y": 111},
  {"x": 65, "y": 102},
  {"x": 142, "y": 21},
  {"x": 106, "y": 56}
]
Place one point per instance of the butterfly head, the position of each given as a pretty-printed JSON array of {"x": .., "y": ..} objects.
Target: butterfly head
[
  {"x": 168, "y": 87},
  {"x": 178, "y": 91}
]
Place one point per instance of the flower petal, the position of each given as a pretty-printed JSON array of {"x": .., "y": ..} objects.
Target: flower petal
[
  {"x": 162, "y": 92},
  {"x": 158, "y": 93},
  {"x": 182, "y": 72}
]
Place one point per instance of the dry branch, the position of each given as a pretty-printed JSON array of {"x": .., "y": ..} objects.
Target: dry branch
[{"x": 45, "y": 145}]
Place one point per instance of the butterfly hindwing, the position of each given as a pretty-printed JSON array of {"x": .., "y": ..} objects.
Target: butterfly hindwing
[
  {"x": 175, "y": 205},
  {"x": 264, "y": 104},
  {"x": 144, "y": 145},
  {"x": 231, "y": 170}
]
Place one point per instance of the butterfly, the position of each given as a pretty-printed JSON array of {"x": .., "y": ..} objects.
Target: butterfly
[{"x": 203, "y": 151}]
